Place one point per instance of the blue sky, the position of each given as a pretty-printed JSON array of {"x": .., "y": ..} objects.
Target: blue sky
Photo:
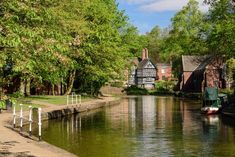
[{"x": 145, "y": 14}]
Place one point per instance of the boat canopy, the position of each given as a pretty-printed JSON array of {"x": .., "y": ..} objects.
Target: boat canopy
[{"x": 211, "y": 93}]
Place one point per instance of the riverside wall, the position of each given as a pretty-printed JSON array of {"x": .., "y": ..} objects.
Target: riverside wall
[{"x": 72, "y": 109}]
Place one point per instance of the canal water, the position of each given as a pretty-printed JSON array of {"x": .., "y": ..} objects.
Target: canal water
[{"x": 146, "y": 126}]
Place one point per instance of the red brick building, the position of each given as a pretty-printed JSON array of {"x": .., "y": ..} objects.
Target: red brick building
[
  {"x": 164, "y": 71},
  {"x": 199, "y": 72}
]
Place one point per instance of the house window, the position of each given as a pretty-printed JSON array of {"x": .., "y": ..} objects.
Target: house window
[{"x": 163, "y": 71}]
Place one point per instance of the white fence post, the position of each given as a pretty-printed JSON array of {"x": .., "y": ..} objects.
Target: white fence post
[
  {"x": 39, "y": 123},
  {"x": 14, "y": 115},
  {"x": 30, "y": 120},
  {"x": 21, "y": 117}
]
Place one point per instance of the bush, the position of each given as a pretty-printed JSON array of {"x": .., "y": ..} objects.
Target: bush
[
  {"x": 134, "y": 90},
  {"x": 116, "y": 84},
  {"x": 17, "y": 94},
  {"x": 229, "y": 92},
  {"x": 165, "y": 86},
  {"x": 2, "y": 104}
]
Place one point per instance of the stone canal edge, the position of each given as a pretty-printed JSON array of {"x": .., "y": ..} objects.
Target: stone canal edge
[{"x": 14, "y": 144}]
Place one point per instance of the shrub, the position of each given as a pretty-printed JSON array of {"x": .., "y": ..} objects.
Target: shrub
[
  {"x": 134, "y": 90},
  {"x": 2, "y": 104},
  {"x": 229, "y": 92},
  {"x": 17, "y": 94},
  {"x": 116, "y": 84},
  {"x": 164, "y": 86}
]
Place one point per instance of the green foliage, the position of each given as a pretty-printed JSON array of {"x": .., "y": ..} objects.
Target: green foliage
[
  {"x": 134, "y": 90},
  {"x": 229, "y": 92},
  {"x": 46, "y": 41},
  {"x": 155, "y": 39},
  {"x": 165, "y": 86},
  {"x": 17, "y": 94},
  {"x": 221, "y": 29},
  {"x": 118, "y": 84},
  {"x": 230, "y": 72},
  {"x": 132, "y": 41},
  {"x": 2, "y": 104},
  {"x": 184, "y": 37}
]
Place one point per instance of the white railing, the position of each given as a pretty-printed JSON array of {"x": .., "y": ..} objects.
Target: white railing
[
  {"x": 74, "y": 99},
  {"x": 28, "y": 118}
]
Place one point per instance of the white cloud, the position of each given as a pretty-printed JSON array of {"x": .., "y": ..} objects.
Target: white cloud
[{"x": 164, "y": 5}]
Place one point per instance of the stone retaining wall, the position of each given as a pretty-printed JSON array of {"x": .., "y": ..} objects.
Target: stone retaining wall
[{"x": 77, "y": 109}]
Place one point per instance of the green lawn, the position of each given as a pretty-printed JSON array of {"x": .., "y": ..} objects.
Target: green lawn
[
  {"x": 41, "y": 101},
  {"x": 55, "y": 100},
  {"x": 26, "y": 106}
]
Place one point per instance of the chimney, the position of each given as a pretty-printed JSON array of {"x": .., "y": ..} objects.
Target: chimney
[
  {"x": 146, "y": 53},
  {"x": 143, "y": 54}
]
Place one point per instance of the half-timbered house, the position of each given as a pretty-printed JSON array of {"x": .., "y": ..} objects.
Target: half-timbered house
[{"x": 145, "y": 73}]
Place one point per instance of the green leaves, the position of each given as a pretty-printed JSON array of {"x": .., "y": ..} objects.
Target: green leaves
[
  {"x": 221, "y": 34},
  {"x": 46, "y": 40}
]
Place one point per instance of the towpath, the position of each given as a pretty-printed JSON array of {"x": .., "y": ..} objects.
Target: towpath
[{"x": 12, "y": 144}]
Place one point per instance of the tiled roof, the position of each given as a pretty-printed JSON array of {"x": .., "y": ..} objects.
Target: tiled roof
[
  {"x": 142, "y": 64},
  {"x": 191, "y": 63}
]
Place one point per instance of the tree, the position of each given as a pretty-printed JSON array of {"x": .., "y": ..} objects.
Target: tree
[
  {"x": 155, "y": 38},
  {"x": 184, "y": 37},
  {"x": 48, "y": 42},
  {"x": 30, "y": 40},
  {"x": 221, "y": 30},
  {"x": 132, "y": 42},
  {"x": 103, "y": 54}
]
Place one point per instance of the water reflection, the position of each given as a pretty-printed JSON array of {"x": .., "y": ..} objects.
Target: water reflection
[{"x": 145, "y": 126}]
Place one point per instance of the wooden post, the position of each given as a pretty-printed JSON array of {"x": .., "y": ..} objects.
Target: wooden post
[
  {"x": 21, "y": 117},
  {"x": 14, "y": 115},
  {"x": 30, "y": 120},
  {"x": 39, "y": 123}
]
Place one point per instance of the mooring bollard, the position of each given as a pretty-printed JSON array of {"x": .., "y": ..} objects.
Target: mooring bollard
[
  {"x": 39, "y": 123},
  {"x": 30, "y": 120},
  {"x": 21, "y": 117},
  {"x": 14, "y": 115}
]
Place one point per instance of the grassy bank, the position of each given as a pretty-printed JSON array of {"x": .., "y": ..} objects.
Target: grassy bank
[
  {"x": 41, "y": 101},
  {"x": 55, "y": 100}
]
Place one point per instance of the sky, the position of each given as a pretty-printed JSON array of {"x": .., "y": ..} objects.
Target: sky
[{"x": 145, "y": 14}]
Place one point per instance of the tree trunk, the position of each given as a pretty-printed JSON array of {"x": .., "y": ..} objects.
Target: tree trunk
[
  {"x": 27, "y": 85},
  {"x": 53, "y": 89},
  {"x": 22, "y": 87},
  {"x": 70, "y": 82},
  {"x": 1, "y": 92},
  {"x": 59, "y": 89}
]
